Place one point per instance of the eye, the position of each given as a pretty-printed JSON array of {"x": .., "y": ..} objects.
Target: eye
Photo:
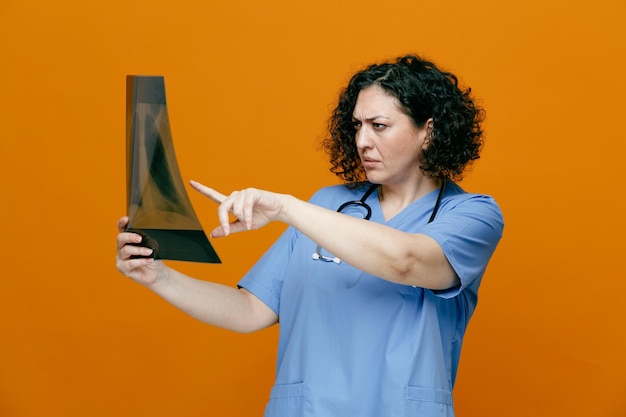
[
  {"x": 356, "y": 124},
  {"x": 379, "y": 126}
]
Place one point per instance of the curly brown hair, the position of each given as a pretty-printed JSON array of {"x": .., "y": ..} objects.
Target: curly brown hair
[{"x": 425, "y": 92}]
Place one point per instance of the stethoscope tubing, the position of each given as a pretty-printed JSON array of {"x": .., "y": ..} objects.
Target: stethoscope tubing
[{"x": 318, "y": 256}]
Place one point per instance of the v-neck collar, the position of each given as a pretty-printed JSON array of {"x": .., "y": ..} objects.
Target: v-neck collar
[{"x": 428, "y": 199}]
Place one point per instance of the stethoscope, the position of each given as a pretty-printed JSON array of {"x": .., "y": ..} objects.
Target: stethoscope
[{"x": 361, "y": 204}]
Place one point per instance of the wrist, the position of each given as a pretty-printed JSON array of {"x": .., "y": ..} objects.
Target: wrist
[
  {"x": 286, "y": 208},
  {"x": 162, "y": 275}
]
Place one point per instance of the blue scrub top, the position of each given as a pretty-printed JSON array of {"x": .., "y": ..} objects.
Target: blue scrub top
[{"x": 352, "y": 344}]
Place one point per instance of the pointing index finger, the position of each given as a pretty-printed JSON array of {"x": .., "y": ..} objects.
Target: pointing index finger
[{"x": 215, "y": 196}]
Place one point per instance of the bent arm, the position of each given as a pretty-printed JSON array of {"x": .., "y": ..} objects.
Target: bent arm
[{"x": 216, "y": 304}]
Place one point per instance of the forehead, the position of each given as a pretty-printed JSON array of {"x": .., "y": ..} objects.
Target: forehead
[{"x": 374, "y": 100}]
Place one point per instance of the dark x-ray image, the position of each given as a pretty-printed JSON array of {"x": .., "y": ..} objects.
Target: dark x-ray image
[{"x": 158, "y": 206}]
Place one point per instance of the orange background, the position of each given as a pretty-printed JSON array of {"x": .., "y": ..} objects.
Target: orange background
[{"x": 249, "y": 88}]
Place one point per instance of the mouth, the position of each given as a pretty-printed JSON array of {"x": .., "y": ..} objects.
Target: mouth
[{"x": 368, "y": 162}]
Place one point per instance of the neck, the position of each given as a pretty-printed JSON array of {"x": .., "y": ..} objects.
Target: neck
[{"x": 394, "y": 198}]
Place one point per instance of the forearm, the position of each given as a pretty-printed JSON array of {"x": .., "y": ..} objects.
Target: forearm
[
  {"x": 405, "y": 258},
  {"x": 212, "y": 303}
]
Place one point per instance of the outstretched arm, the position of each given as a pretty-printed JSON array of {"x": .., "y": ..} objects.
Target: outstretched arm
[
  {"x": 216, "y": 304},
  {"x": 405, "y": 258}
]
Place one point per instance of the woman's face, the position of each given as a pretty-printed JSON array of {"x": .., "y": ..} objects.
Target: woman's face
[{"x": 389, "y": 143}]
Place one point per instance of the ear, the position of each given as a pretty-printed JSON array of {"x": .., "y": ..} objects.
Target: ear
[{"x": 428, "y": 128}]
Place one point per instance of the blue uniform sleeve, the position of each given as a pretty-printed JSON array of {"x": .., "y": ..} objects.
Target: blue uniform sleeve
[
  {"x": 265, "y": 279},
  {"x": 468, "y": 234}
]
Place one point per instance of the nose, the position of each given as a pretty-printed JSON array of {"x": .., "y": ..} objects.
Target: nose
[{"x": 362, "y": 138}]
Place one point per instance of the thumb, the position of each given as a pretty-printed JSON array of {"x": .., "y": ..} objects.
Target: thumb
[
  {"x": 218, "y": 232},
  {"x": 234, "y": 227}
]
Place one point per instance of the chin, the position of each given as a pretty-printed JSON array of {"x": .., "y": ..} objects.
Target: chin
[{"x": 375, "y": 179}]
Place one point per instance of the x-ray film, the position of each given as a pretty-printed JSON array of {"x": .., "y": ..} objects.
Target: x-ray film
[{"x": 158, "y": 206}]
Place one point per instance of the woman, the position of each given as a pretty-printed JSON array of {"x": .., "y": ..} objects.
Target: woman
[{"x": 374, "y": 281}]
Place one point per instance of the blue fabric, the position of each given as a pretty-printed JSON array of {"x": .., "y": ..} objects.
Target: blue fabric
[{"x": 352, "y": 344}]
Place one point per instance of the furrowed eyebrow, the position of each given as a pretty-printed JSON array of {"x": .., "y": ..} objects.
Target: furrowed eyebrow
[{"x": 371, "y": 119}]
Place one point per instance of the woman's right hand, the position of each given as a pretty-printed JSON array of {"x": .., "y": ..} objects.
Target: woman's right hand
[
  {"x": 216, "y": 304},
  {"x": 135, "y": 261}
]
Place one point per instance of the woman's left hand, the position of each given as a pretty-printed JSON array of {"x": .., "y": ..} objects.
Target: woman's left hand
[{"x": 253, "y": 208}]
